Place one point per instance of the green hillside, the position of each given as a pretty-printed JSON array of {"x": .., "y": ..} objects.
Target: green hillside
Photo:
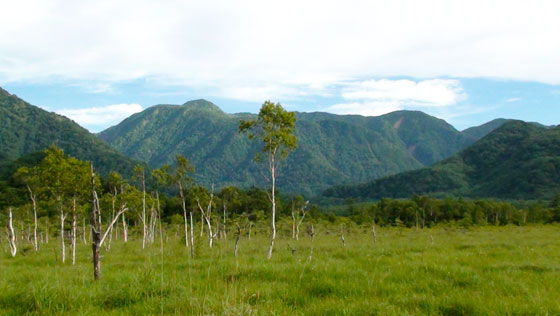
[
  {"x": 516, "y": 161},
  {"x": 25, "y": 129},
  {"x": 332, "y": 149}
]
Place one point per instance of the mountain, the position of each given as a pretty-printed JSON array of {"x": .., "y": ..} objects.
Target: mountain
[
  {"x": 332, "y": 149},
  {"x": 516, "y": 161},
  {"x": 477, "y": 132},
  {"x": 26, "y": 129}
]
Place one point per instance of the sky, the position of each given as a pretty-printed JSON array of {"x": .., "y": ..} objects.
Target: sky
[{"x": 466, "y": 62}]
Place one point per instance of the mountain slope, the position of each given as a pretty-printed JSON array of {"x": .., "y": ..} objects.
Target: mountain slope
[
  {"x": 516, "y": 161},
  {"x": 477, "y": 132},
  {"x": 332, "y": 149},
  {"x": 26, "y": 129}
]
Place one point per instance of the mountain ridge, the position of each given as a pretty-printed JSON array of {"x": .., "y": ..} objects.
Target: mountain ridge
[
  {"x": 518, "y": 160},
  {"x": 334, "y": 149}
]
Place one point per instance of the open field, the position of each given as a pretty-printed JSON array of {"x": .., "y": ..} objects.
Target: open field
[{"x": 442, "y": 271}]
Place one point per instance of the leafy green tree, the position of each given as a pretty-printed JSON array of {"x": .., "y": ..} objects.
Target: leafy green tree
[{"x": 274, "y": 127}]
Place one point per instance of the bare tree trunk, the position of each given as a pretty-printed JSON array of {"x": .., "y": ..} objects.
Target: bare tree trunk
[
  {"x": 207, "y": 216},
  {"x": 12, "y": 235},
  {"x": 34, "y": 201},
  {"x": 143, "y": 210},
  {"x": 273, "y": 178},
  {"x": 250, "y": 227},
  {"x": 312, "y": 233},
  {"x": 47, "y": 231},
  {"x": 84, "y": 231},
  {"x": 374, "y": 234},
  {"x": 62, "y": 244},
  {"x": 224, "y": 223},
  {"x": 293, "y": 221},
  {"x": 184, "y": 206},
  {"x": 201, "y": 225},
  {"x": 342, "y": 236},
  {"x": 237, "y": 239},
  {"x": 192, "y": 234},
  {"x": 125, "y": 229},
  {"x": 74, "y": 219},
  {"x": 186, "y": 228},
  {"x": 299, "y": 224},
  {"x": 95, "y": 229}
]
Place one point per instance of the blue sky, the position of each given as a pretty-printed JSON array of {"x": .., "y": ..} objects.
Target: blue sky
[{"x": 466, "y": 62}]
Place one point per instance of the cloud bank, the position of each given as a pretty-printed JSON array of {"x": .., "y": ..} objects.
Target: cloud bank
[
  {"x": 376, "y": 97},
  {"x": 255, "y": 50},
  {"x": 97, "y": 118}
]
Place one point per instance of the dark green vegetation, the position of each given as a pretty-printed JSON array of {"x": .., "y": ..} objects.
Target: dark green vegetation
[
  {"x": 332, "y": 149},
  {"x": 26, "y": 129},
  {"x": 517, "y": 161},
  {"x": 443, "y": 271}
]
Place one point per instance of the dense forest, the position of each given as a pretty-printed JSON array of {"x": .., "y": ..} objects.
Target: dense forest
[
  {"x": 516, "y": 161},
  {"x": 332, "y": 149}
]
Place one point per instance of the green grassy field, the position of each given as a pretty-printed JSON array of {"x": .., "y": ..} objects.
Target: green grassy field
[{"x": 442, "y": 271}]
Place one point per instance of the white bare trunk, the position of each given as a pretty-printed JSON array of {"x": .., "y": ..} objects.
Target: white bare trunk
[
  {"x": 237, "y": 239},
  {"x": 62, "y": 244},
  {"x": 74, "y": 235},
  {"x": 84, "y": 232},
  {"x": 250, "y": 227},
  {"x": 186, "y": 228},
  {"x": 143, "y": 211},
  {"x": 12, "y": 235},
  {"x": 293, "y": 221},
  {"x": 192, "y": 234},
  {"x": 34, "y": 201},
  {"x": 125, "y": 229},
  {"x": 273, "y": 178}
]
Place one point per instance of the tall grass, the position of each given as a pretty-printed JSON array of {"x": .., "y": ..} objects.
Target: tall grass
[{"x": 442, "y": 271}]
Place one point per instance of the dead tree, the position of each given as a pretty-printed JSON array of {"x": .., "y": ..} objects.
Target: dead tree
[
  {"x": 62, "y": 243},
  {"x": 342, "y": 236},
  {"x": 74, "y": 219},
  {"x": 97, "y": 238},
  {"x": 373, "y": 233},
  {"x": 192, "y": 233},
  {"x": 303, "y": 212},
  {"x": 34, "y": 203},
  {"x": 207, "y": 215},
  {"x": 312, "y": 234},
  {"x": 237, "y": 237},
  {"x": 184, "y": 206},
  {"x": 11, "y": 234}
]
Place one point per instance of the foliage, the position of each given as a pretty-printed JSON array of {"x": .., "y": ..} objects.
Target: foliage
[{"x": 26, "y": 129}]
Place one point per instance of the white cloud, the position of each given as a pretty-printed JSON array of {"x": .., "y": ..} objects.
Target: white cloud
[
  {"x": 376, "y": 97},
  {"x": 364, "y": 108},
  {"x": 97, "y": 118},
  {"x": 437, "y": 92},
  {"x": 248, "y": 49},
  {"x": 513, "y": 100}
]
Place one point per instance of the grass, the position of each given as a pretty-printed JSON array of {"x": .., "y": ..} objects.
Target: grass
[{"x": 483, "y": 271}]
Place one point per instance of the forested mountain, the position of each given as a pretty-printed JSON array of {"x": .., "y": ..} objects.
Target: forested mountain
[
  {"x": 332, "y": 149},
  {"x": 478, "y": 132},
  {"x": 26, "y": 129},
  {"x": 516, "y": 161}
]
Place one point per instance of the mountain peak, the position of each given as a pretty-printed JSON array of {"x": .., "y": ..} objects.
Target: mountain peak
[{"x": 203, "y": 105}]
